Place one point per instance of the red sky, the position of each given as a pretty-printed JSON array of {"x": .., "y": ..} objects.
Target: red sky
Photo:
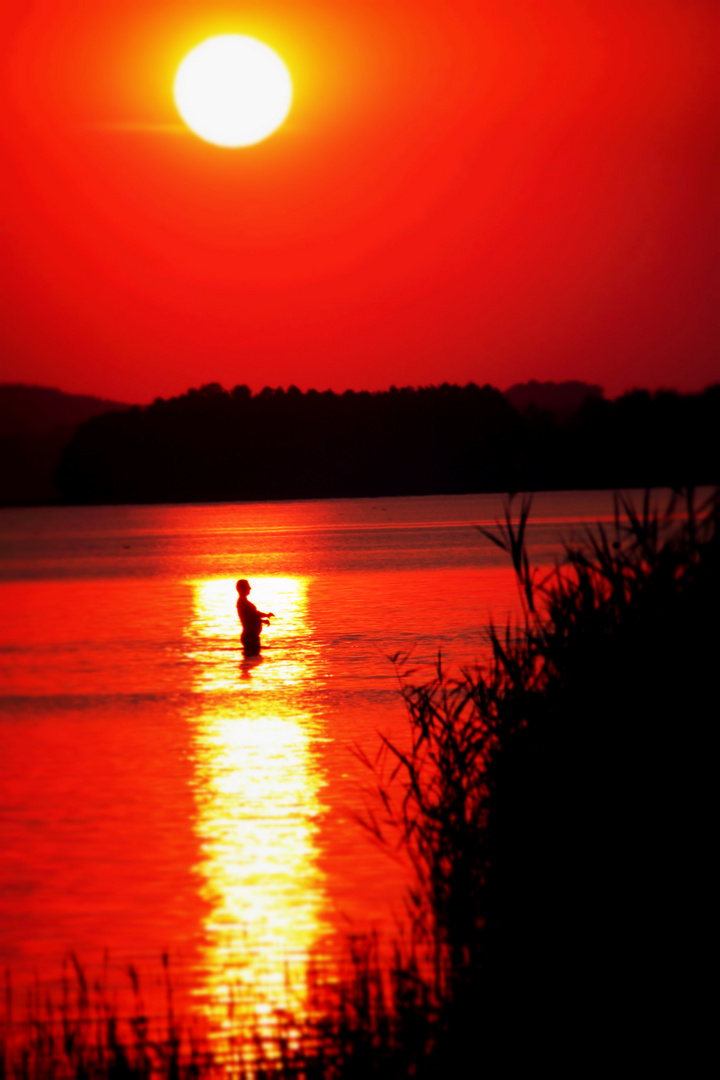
[{"x": 490, "y": 191}]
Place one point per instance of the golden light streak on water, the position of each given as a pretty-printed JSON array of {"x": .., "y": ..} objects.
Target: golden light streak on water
[{"x": 257, "y": 793}]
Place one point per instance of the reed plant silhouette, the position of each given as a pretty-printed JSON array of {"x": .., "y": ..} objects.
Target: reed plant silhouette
[
  {"x": 83, "y": 1033},
  {"x": 557, "y": 804},
  {"x": 369, "y": 1022},
  {"x": 558, "y": 807}
]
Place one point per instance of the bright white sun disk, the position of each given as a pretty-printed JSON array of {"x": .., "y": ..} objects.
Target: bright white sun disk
[{"x": 233, "y": 90}]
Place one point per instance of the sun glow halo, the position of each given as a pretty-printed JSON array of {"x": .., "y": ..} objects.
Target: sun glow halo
[{"x": 233, "y": 90}]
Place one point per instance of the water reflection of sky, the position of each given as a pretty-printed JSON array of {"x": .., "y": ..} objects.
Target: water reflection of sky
[
  {"x": 159, "y": 793},
  {"x": 257, "y": 790}
]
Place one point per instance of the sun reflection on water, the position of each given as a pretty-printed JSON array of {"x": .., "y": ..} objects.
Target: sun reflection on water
[{"x": 257, "y": 790}]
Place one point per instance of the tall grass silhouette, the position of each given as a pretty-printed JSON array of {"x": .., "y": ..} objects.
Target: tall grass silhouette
[
  {"x": 558, "y": 807},
  {"x": 557, "y": 804}
]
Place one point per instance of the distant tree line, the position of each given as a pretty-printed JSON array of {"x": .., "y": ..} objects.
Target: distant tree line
[{"x": 211, "y": 445}]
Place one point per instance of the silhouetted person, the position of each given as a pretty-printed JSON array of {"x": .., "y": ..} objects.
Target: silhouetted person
[{"x": 252, "y": 620}]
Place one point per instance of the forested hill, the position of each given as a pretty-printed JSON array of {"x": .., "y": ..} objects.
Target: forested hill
[
  {"x": 35, "y": 423},
  {"x": 39, "y": 410},
  {"x": 211, "y": 444}
]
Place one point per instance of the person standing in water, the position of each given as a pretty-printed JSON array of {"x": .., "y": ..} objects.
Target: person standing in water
[{"x": 252, "y": 620}]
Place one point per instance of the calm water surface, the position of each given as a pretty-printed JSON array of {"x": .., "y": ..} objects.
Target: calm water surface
[{"x": 160, "y": 793}]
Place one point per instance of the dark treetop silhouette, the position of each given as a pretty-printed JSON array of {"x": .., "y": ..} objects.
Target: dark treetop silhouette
[{"x": 212, "y": 445}]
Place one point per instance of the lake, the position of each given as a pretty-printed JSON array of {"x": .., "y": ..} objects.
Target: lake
[{"x": 159, "y": 793}]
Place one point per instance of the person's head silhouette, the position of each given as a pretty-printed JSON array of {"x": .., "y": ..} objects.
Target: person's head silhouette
[{"x": 243, "y": 586}]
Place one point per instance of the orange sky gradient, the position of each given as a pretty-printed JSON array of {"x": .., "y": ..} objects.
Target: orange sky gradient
[{"x": 484, "y": 191}]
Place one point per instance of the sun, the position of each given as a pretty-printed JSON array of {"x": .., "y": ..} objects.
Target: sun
[{"x": 233, "y": 90}]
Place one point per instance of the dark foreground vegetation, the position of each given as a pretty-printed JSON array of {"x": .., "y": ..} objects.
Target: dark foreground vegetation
[
  {"x": 559, "y": 808},
  {"x": 210, "y": 444}
]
